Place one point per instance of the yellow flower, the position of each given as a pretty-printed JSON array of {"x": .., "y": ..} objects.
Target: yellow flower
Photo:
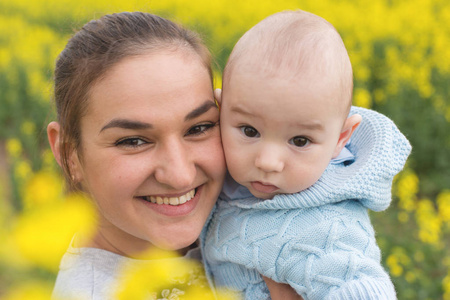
[
  {"x": 22, "y": 170},
  {"x": 429, "y": 223},
  {"x": 36, "y": 290},
  {"x": 443, "y": 202},
  {"x": 407, "y": 186},
  {"x": 397, "y": 260},
  {"x": 446, "y": 286},
  {"x": 42, "y": 235},
  {"x": 394, "y": 266},
  {"x": 217, "y": 80},
  {"x": 43, "y": 188},
  {"x": 362, "y": 98},
  {"x": 28, "y": 128},
  {"x": 14, "y": 147},
  {"x": 410, "y": 276},
  {"x": 48, "y": 161},
  {"x": 164, "y": 275}
]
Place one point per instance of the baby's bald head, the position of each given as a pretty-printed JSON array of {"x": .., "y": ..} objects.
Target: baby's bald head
[{"x": 296, "y": 45}]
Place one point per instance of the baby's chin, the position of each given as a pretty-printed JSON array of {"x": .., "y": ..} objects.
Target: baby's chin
[{"x": 262, "y": 196}]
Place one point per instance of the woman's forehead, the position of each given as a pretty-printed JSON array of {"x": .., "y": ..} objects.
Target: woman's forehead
[{"x": 151, "y": 85}]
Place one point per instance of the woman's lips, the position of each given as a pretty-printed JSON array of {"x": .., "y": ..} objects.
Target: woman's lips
[
  {"x": 264, "y": 188},
  {"x": 171, "y": 200},
  {"x": 175, "y": 210}
]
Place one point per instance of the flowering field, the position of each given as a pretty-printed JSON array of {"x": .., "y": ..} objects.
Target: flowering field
[{"x": 400, "y": 51}]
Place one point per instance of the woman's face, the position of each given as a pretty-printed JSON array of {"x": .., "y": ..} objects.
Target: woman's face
[{"x": 151, "y": 136}]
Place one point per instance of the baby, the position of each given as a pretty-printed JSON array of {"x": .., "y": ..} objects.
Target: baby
[{"x": 295, "y": 208}]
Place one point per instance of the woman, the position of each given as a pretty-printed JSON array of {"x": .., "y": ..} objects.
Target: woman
[{"x": 138, "y": 132}]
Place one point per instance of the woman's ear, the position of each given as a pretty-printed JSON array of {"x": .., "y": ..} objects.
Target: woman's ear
[
  {"x": 53, "y": 134},
  {"x": 349, "y": 127},
  {"x": 218, "y": 96},
  {"x": 53, "y": 131}
]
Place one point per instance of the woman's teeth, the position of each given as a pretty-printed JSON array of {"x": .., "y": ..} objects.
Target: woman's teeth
[{"x": 171, "y": 200}]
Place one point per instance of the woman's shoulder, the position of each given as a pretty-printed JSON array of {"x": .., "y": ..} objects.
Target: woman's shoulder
[{"x": 86, "y": 273}]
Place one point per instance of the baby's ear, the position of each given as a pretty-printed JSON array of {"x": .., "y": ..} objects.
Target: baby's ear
[
  {"x": 349, "y": 127},
  {"x": 218, "y": 95}
]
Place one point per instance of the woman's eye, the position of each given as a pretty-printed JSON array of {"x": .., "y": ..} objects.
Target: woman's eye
[
  {"x": 199, "y": 129},
  {"x": 249, "y": 131},
  {"x": 299, "y": 141},
  {"x": 131, "y": 142}
]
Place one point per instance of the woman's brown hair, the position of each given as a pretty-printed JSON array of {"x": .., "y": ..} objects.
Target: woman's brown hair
[{"x": 93, "y": 50}]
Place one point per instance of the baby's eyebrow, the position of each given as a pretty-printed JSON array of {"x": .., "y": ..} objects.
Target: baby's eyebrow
[
  {"x": 310, "y": 126},
  {"x": 200, "y": 110},
  {"x": 240, "y": 110}
]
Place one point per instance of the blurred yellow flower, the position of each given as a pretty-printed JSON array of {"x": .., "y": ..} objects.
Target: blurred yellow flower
[
  {"x": 394, "y": 266},
  {"x": 410, "y": 276},
  {"x": 429, "y": 223},
  {"x": 44, "y": 187},
  {"x": 362, "y": 98},
  {"x": 217, "y": 80},
  {"x": 28, "y": 127},
  {"x": 42, "y": 235},
  {"x": 22, "y": 170},
  {"x": 403, "y": 216},
  {"x": 443, "y": 202},
  {"x": 165, "y": 275},
  {"x": 35, "y": 290},
  {"x": 397, "y": 260},
  {"x": 407, "y": 186},
  {"x": 48, "y": 161},
  {"x": 14, "y": 147},
  {"x": 446, "y": 286},
  {"x": 379, "y": 95}
]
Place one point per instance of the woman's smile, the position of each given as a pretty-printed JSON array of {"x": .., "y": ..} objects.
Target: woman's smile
[
  {"x": 172, "y": 206},
  {"x": 170, "y": 200}
]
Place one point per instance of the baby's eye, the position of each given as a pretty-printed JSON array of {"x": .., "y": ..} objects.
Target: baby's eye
[
  {"x": 299, "y": 141},
  {"x": 199, "y": 129},
  {"x": 132, "y": 142},
  {"x": 249, "y": 131}
]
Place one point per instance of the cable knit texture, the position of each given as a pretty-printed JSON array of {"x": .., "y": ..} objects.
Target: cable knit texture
[{"x": 320, "y": 241}]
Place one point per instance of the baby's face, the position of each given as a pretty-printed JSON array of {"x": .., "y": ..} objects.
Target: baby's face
[{"x": 278, "y": 135}]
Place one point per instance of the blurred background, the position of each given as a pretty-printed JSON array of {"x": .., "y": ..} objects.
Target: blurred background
[{"x": 400, "y": 51}]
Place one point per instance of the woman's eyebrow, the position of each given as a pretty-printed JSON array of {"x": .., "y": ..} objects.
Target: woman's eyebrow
[
  {"x": 126, "y": 124},
  {"x": 200, "y": 110}
]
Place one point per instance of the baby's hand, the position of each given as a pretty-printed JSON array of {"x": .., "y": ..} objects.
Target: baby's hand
[{"x": 281, "y": 291}]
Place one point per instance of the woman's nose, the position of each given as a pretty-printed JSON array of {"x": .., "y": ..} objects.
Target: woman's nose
[
  {"x": 269, "y": 159},
  {"x": 176, "y": 167}
]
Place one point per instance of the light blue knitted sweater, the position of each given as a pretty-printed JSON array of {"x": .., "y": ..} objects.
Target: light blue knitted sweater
[{"x": 320, "y": 241}]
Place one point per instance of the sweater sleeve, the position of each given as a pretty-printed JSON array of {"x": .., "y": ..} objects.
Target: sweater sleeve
[{"x": 326, "y": 252}]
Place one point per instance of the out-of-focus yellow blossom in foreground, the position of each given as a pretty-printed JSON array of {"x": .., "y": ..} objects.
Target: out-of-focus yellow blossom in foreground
[
  {"x": 43, "y": 188},
  {"x": 163, "y": 277},
  {"x": 32, "y": 290},
  {"x": 42, "y": 235}
]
